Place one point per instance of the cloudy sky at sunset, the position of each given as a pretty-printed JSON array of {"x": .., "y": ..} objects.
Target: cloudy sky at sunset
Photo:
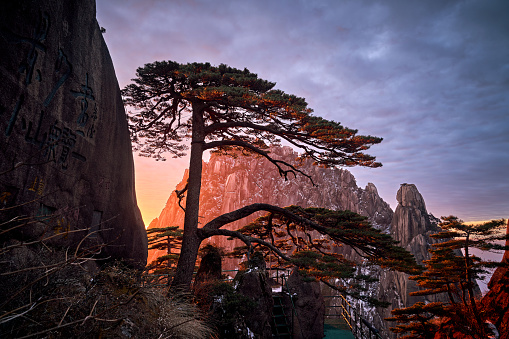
[{"x": 430, "y": 77}]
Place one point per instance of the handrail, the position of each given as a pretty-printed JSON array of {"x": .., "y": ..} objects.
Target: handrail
[
  {"x": 355, "y": 321},
  {"x": 294, "y": 309},
  {"x": 347, "y": 319}
]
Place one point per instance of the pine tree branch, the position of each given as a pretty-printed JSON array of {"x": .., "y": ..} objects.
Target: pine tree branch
[
  {"x": 220, "y": 221},
  {"x": 207, "y": 233},
  {"x": 180, "y": 195},
  {"x": 284, "y": 173}
]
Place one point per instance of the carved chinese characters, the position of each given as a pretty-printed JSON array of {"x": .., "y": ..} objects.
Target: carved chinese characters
[{"x": 65, "y": 155}]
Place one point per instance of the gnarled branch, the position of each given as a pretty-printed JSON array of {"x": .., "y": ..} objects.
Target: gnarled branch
[
  {"x": 220, "y": 221},
  {"x": 180, "y": 195},
  {"x": 278, "y": 163},
  {"x": 207, "y": 233}
]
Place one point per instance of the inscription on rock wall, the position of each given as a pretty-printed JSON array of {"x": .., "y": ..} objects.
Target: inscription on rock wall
[
  {"x": 56, "y": 140},
  {"x": 65, "y": 155}
]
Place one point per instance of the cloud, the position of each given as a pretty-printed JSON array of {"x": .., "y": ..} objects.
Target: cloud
[{"x": 431, "y": 77}]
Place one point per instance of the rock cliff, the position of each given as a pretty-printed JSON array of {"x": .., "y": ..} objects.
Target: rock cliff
[
  {"x": 65, "y": 155},
  {"x": 496, "y": 301},
  {"x": 412, "y": 226},
  {"x": 228, "y": 184}
]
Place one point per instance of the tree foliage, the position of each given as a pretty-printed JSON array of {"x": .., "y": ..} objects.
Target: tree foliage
[
  {"x": 238, "y": 109},
  {"x": 454, "y": 274},
  {"x": 418, "y": 319},
  {"x": 169, "y": 240},
  {"x": 309, "y": 238},
  {"x": 231, "y": 111}
]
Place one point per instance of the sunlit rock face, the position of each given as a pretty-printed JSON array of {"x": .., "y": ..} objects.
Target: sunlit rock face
[
  {"x": 65, "y": 150},
  {"x": 252, "y": 179},
  {"x": 411, "y": 226},
  {"x": 228, "y": 184}
]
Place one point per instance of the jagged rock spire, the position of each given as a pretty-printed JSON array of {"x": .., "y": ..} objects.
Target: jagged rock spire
[{"x": 411, "y": 224}]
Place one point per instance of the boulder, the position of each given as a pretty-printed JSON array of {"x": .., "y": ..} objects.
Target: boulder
[
  {"x": 309, "y": 307},
  {"x": 66, "y": 163},
  {"x": 210, "y": 269},
  {"x": 253, "y": 283}
]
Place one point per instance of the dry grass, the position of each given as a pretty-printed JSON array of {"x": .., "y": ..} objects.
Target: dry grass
[
  {"x": 179, "y": 318},
  {"x": 87, "y": 302}
]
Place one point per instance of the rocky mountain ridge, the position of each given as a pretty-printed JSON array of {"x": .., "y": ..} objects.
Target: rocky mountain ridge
[{"x": 230, "y": 183}]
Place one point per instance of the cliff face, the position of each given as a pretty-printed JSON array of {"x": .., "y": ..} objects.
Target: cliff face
[
  {"x": 496, "y": 301},
  {"x": 228, "y": 184},
  {"x": 65, "y": 150},
  {"x": 412, "y": 226}
]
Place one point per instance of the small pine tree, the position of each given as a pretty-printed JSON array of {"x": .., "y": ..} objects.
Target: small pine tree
[
  {"x": 454, "y": 273},
  {"x": 417, "y": 320},
  {"x": 168, "y": 239}
]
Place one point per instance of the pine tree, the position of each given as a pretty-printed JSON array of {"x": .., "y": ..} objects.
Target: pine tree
[
  {"x": 229, "y": 111},
  {"x": 418, "y": 320},
  {"x": 453, "y": 273},
  {"x": 168, "y": 239}
]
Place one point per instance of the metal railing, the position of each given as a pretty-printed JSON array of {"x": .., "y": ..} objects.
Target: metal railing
[{"x": 360, "y": 327}]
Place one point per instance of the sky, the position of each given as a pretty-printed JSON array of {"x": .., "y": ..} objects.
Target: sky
[{"x": 430, "y": 77}]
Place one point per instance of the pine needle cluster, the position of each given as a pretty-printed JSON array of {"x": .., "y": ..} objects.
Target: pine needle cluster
[{"x": 453, "y": 270}]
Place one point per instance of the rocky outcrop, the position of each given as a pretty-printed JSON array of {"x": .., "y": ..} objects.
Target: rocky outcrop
[
  {"x": 411, "y": 226},
  {"x": 309, "y": 307},
  {"x": 65, "y": 161},
  {"x": 253, "y": 283},
  {"x": 210, "y": 269},
  {"x": 496, "y": 302}
]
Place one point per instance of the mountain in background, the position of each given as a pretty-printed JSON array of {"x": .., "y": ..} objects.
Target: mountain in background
[{"x": 230, "y": 183}]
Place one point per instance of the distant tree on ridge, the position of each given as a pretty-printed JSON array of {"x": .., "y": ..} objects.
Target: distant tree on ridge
[{"x": 169, "y": 240}]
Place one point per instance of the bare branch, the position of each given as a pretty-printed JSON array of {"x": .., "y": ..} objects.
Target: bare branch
[
  {"x": 207, "y": 233},
  {"x": 284, "y": 173},
  {"x": 180, "y": 195}
]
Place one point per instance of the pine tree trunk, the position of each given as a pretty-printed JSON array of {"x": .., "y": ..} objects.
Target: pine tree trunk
[{"x": 190, "y": 240}]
